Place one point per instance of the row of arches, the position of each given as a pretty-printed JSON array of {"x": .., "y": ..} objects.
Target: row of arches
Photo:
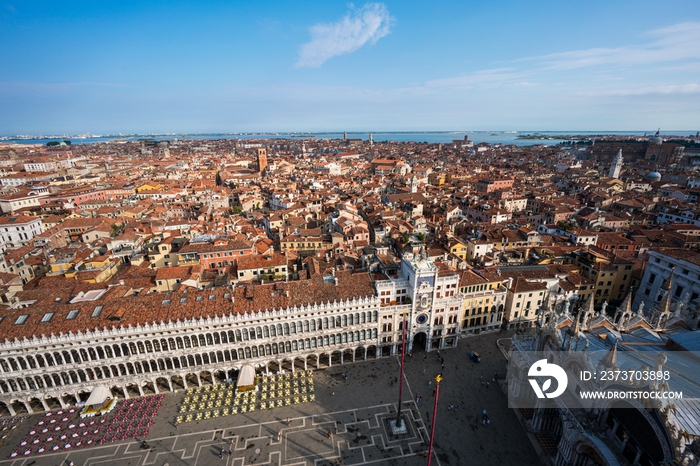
[
  {"x": 165, "y": 381},
  {"x": 132, "y": 368},
  {"x": 117, "y": 350}
]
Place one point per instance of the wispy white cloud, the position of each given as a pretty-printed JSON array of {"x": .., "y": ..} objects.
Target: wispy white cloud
[
  {"x": 672, "y": 43},
  {"x": 360, "y": 26},
  {"x": 647, "y": 90}
]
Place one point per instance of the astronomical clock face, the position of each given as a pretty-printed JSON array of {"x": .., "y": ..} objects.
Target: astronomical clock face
[{"x": 421, "y": 319}]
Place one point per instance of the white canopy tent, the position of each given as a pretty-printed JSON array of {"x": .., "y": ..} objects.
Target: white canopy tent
[
  {"x": 99, "y": 396},
  {"x": 246, "y": 377}
]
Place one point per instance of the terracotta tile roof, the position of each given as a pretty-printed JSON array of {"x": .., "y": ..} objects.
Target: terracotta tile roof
[{"x": 118, "y": 308}]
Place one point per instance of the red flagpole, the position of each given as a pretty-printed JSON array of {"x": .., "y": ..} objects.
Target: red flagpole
[
  {"x": 438, "y": 378},
  {"x": 403, "y": 356}
]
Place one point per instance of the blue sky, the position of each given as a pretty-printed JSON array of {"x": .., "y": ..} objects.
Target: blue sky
[{"x": 171, "y": 66}]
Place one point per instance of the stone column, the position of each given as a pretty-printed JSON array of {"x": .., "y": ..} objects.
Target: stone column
[
  {"x": 614, "y": 430},
  {"x": 341, "y": 357},
  {"x": 126, "y": 393},
  {"x": 46, "y": 406},
  {"x": 637, "y": 457},
  {"x": 603, "y": 417},
  {"x": 624, "y": 444},
  {"x": 11, "y": 409}
]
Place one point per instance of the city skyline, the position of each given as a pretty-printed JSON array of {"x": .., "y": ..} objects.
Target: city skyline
[{"x": 234, "y": 67}]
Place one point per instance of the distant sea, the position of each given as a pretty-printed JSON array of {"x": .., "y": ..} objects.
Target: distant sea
[{"x": 492, "y": 137}]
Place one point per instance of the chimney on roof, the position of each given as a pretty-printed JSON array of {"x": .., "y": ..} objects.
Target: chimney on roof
[{"x": 335, "y": 280}]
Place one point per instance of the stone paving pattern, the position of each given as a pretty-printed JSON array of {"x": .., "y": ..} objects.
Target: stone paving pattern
[{"x": 357, "y": 411}]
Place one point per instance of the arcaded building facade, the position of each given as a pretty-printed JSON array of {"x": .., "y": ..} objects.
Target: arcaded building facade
[{"x": 58, "y": 348}]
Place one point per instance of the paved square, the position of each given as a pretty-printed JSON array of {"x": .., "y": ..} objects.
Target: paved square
[{"x": 355, "y": 411}]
